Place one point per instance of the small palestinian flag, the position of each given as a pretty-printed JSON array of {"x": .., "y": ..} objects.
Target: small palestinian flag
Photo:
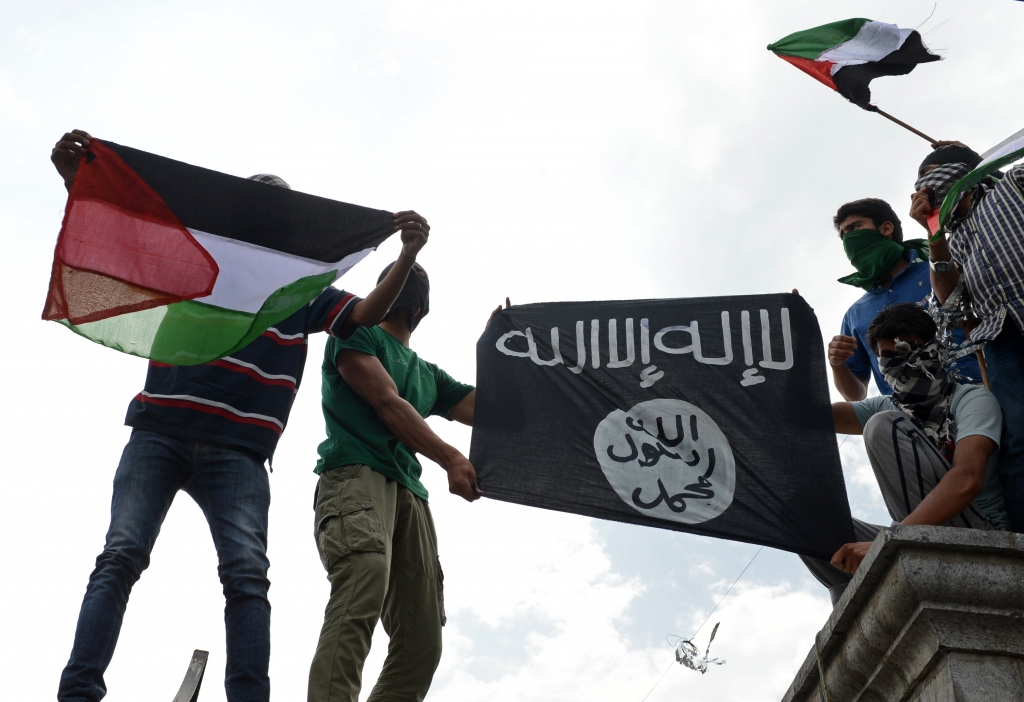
[
  {"x": 184, "y": 265},
  {"x": 847, "y": 55}
]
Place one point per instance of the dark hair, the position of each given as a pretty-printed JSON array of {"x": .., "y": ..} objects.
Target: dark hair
[
  {"x": 953, "y": 153},
  {"x": 878, "y": 211},
  {"x": 904, "y": 318},
  {"x": 415, "y": 267}
]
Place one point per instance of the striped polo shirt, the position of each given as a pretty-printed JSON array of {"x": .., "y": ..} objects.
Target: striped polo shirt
[
  {"x": 243, "y": 399},
  {"x": 988, "y": 246}
]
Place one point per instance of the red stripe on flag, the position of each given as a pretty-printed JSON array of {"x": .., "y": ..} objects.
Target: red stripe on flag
[
  {"x": 185, "y": 404},
  {"x": 820, "y": 71},
  {"x": 116, "y": 226}
]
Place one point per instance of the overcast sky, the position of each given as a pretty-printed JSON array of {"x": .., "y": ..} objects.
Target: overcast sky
[{"x": 561, "y": 151}]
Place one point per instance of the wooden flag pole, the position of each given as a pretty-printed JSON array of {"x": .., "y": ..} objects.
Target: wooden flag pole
[
  {"x": 902, "y": 124},
  {"x": 980, "y": 353}
]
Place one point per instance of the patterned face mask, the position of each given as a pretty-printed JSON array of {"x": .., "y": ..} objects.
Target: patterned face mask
[
  {"x": 942, "y": 179},
  {"x": 922, "y": 389}
]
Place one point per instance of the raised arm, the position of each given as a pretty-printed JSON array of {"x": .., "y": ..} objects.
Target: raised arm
[
  {"x": 67, "y": 152},
  {"x": 849, "y": 385},
  {"x": 369, "y": 311},
  {"x": 463, "y": 412},
  {"x": 368, "y": 379},
  {"x": 942, "y": 283}
]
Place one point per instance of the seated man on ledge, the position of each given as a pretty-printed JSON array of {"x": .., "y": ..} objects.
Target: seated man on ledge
[{"x": 932, "y": 444}]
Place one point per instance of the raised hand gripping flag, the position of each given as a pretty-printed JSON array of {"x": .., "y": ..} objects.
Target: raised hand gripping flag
[
  {"x": 706, "y": 415},
  {"x": 184, "y": 265},
  {"x": 847, "y": 55}
]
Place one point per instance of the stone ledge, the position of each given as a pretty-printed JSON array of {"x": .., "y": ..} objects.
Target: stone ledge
[{"x": 921, "y": 594}]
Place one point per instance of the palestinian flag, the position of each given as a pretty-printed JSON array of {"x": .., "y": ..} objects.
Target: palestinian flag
[
  {"x": 184, "y": 265},
  {"x": 847, "y": 55}
]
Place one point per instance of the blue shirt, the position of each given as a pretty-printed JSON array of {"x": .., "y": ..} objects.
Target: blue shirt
[
  {"x": 243, "y": 399},
  {"x": 912, "y": 284}
]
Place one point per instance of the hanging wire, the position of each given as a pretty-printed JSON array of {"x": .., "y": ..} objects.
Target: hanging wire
[
  {"x": 705, "y": 620},
  {"x": 727, "y": 593},
  {"x": 659, "y": 680}
]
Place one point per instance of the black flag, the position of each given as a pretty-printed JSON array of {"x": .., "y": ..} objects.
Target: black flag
[{"x": 706, "y": 415}]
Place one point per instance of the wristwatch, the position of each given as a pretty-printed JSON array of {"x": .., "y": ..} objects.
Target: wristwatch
[{"x": 942, "y": 266}]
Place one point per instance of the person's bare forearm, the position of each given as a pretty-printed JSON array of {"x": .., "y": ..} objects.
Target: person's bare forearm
[
  {"x": 959, "y": 486},
  {"x": 947, "y": 499},
  {"x": 845, "y": 419},
  {"x": 849, "y": 385},
  {"x": 412, "y": 430},
  {"x": 463, "y": 412},
  {"x": 369, "y": 311},
  {"x": 942, "y": 283}
]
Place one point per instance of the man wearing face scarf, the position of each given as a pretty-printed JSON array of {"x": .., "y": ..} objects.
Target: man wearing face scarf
[
  {"x": 984, "y": 248},
  {"x": 891, "y": 271},
  {"x": 931, "y": 445},
  {"x": 372, "y": 525}
]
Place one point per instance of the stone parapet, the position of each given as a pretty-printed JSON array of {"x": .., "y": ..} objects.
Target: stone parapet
[{"x": 934, "y": 614}]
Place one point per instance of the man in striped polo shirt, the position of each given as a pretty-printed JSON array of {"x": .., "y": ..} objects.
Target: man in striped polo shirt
[
  {"x": 985, "y": 247},
  {"x": 208, "y": 430}
]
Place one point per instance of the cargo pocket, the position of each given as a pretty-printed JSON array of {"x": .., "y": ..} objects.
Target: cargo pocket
[
  {"x": 352, "y": 526},
  {"x": 440, "y": 592}
]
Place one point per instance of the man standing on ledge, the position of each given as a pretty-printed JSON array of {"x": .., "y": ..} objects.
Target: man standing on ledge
[
  {"x": 891, "y": 271},
  {"x": 208, "y": 430},
  {"x": 372, "y": 525},
  {"x": 986, "y": 249}
]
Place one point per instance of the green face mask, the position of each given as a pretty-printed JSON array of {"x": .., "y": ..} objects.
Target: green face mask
[{"x": 873, "y": 255}]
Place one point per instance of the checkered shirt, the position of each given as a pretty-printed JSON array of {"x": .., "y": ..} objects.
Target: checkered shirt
[{"x": 988, "y": 247}]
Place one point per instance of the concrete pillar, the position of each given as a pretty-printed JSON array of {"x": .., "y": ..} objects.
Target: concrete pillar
[{"x": 934, "y": 614}]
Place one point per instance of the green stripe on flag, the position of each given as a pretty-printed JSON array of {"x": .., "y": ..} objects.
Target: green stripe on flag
[
  {"x": 812, "y": 43},
  {"x": 1011, "y": 152},
  {"x": 188, "y": 333}
]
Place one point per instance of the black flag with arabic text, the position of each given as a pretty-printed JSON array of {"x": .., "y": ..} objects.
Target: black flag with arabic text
[{"x": 705, "y": 415}]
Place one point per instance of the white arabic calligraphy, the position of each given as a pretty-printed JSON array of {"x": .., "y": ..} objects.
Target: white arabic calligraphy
[{"x": 662, "y": 343}]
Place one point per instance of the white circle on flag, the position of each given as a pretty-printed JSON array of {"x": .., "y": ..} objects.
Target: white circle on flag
[{"x": 667, "y": 459}]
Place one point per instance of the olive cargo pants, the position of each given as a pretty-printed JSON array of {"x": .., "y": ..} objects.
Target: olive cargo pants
[{"x": 377, "y": 541}]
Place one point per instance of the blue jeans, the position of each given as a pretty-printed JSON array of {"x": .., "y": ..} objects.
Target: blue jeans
[
  {"x": 231, "y": 486},
  {"x": 1005, "y": 358}
]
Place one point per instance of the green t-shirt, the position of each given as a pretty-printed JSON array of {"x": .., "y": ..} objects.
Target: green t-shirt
[{"x": 355, "y": 434}]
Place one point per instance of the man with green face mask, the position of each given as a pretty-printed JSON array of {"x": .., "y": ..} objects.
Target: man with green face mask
[{"x": 891, "y": 271}]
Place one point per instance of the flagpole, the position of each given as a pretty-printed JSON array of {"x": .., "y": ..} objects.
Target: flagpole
[{"x": 903, "y": 124}]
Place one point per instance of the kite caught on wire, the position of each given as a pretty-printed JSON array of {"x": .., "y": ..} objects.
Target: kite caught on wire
[{"x": 687, "y": 654}]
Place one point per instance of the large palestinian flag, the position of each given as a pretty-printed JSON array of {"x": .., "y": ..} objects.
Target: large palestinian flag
[
  {"x": 184, "y": 265},
  {"x": 847, "y": 55}
]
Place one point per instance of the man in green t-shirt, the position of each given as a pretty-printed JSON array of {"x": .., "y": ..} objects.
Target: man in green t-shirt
[{"x": 373, "y": 526}]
